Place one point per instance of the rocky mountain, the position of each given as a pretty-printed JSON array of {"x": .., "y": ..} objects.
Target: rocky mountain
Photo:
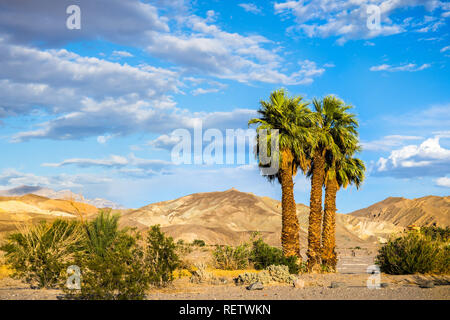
[
  {"x": 229, "y": 217},
  {"x": 402, "y": 212},
  {"x": 62, "y": 194}
]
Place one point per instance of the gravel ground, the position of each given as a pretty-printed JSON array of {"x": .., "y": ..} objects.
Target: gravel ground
[
  {"x": 316, "y": 287},
  {"x": 314, "y": 293}
]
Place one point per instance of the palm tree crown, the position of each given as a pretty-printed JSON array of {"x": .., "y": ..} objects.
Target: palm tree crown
[{"x": 292, "y": 118}]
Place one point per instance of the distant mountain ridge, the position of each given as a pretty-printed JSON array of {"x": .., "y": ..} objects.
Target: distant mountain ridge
[
  {"x": 424, "y": 211},
  {"x": 62, "y": 194},
  {"x": 229, "y": 217},
  {"x": 31, "y": 208}
]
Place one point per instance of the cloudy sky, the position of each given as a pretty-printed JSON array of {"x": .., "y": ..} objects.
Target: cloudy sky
[{"x": 94, "y": 109}]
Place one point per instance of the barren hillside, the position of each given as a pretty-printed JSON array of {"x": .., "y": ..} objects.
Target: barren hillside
[
  {"x": 423, "y": 211},
  {"x": 231, "y": 216}
]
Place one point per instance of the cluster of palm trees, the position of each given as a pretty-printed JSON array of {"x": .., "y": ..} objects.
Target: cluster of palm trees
[{"x": 320, "y": 141}]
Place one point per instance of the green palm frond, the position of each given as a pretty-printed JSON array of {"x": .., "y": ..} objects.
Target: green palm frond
[{"x": 293, "y": 120}]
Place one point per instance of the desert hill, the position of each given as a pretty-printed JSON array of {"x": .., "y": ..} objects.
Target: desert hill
[
  {"x": 33, "y": 208},
  {"x": 62, "y": 194},
  {"x": 231, "y": 216},
  {"x": 402, "y": 212}
]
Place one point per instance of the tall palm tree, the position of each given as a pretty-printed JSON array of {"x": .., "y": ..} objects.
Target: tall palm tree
[
  {"x": 291, "y": 117},
  {"x": 332, "y": 127},
  {"x": 339, "y": 174}
]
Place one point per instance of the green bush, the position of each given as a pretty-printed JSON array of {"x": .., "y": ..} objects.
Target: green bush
[
  {"x": 198, "y": 243},
  {"x": 113, "y": 265},
  {"x": 414, "y": 253},
  {"x": 436, "y": 233},
  {"x": 120, "y": 273},
  {"x": 229, "y": 258},
  {"x": 161, "y": 257},
  {"x": 263, "y": 255},
  {"x": 39, "y": 254}
]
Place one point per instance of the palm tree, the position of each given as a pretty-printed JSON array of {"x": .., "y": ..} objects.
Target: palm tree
[
  {"x": 339, "y": 173},
  {"x": 291, "y": 117},
  {"x": 332, "y": 127}
]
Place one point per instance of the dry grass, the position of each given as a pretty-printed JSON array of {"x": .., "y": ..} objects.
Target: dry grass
[
  {"x": 231, "y": 273},
  {"x": 183, "y": 273},
  {"x": 5, "y": 272}
]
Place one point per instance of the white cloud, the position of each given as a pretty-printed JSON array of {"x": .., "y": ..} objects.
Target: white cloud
[
  {"x": 123, "y": 54},
  {"x": 443, "y": 182},
  {"x": 126, "y": 116},
  {"x": 123, "y": 164},
  {"x": 103, "y": 139},
  {"x": 445, "y": 49},
  {"x": 347, "y": 19},
  {"x": 198, "y": 91},
  {"x": 117, "y": 21},
  {"x": 250, "y": 7},
  {"x": 427, "y": 159},
  {"x": 205, "y": 48},
  {"x": 388, "y": 142},
  {"x": 165, "y": 141},
  {"x": 424, "y": 120},
  {"x": 112, "y": 161},
  {"x": 215, "y": 86},
  {"x": 10, "y": 178},
  {"x": 61, "y": 81},
  {"x": 410, "y": 67}
]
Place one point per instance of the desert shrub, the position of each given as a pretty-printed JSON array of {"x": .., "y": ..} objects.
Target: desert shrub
[
  {"x": 120, "y": 273},
  {"x": 102, "y": 232},
  {"x": 229, "y": 258},
  {"x": 198, "y": 243},
  {"x": 263, "y": 255},
  {"x": 113, "y": 265},
  {"x": 161, "y": 257},
  {"x": 436, "y": 233},
  {"x": 252, "y": 277},
  {"x": 183, "y": 248},
  {"x": 39, "y": 254},
  {"x": 273, "y": 273},
  {"x": 414, "y": 253},
  {"x": 201, "y": 275}
]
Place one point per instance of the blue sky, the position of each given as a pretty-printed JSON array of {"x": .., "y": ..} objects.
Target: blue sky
[{"x": 93, "y": 109}]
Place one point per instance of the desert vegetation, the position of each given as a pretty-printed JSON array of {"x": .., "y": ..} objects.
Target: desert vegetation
[
  {"x": 39, "y": 254},
  {"x": 258, "y": 255},
  {"x": 425, "y": 252},
  {"x": 114, "y": 263}
]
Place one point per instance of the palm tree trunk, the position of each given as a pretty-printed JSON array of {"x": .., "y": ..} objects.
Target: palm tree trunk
[
  {"x": 290, "y": 238},
  {"x": 329, "y": 258},
  {"x": 315, "y": 214}
]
